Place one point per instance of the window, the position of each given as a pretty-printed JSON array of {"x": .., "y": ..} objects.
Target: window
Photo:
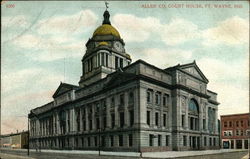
[
  {"x": 241, "y": 132},
  {"x": 151, "y": 140},
  {"x": 184, "y": 140},
  {"x": 241, "y": 123},
  {"x": 121, "y": 119},
  {"x": 164, "y": 101},
  {"x": 97, "y": 123},
  {"x": 167, "y": 140},
  {"x": 148, "y": 117},
  {"x": 88, "y": 141},
  {"x": 90, "y": 124},
  {"x": 214, "y": 141},
  {"x": 193, "y": 107},
  {"x": 120, "y": 140},
  {"x": 182, "y": 120},
  {"x": 210, "y": 141},
  {"x": 104, "y": 122},
  {"x": 225, "y": 133},
  {"x": 148, "y": 96},
  {"x": 156, "y": 118},
  {"x": 230, "y": 124},
  {"x": 95, "y": 140},
  {"x": 103, "y": 141},
  {"x": 131, "y": 97},
  {"x": 112, "y": 101},
  {"x": 157, "y": 99},
  {"x": 230, "y": 133},
  {"x": 237, "y": 123},
  {"x": 204, "y": 124},
  {"x": 122, "y": 99},
  {"x": 130, "y": 140},
  {"x": 107, "y": 60},
  {"x": 121, "y": 63},
  {"x": 159, "y": 140},
  {"x": 237, "y": 132},
  {"x": 111, "y": 140},
  {"x": 82, "y": 142},
  {"x": 102, "y": 59},
  {"x": 116, "y": 62},
  {"x": 112, "y": 120},
  {"x": 164, "y": 120},
  {"x": 131, "y": 115},
  {"x": 98, "y": 60},
  {"x": 205, "y": 141}
]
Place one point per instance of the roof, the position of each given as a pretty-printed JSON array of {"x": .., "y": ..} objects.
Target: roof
[
  {"x": 64, "y": 87},
  {"x": 240, "y": 114}
]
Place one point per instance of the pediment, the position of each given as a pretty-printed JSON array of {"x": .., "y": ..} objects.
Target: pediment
[
  {"x": 64, "y": 87},
  {"x": 118, "y": 78},
  {"x": 194, "y": 70}
]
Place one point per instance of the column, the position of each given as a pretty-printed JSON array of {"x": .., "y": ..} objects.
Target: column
[
  {"x": 86, "y": 117},
  {"x": 126, "y": 113},
  {"x": 186, "y": 114},
  {"x": 116, "y": 110},
  {"x": 152, "y": 114},
  {"x": 108, "y": 116},
  {"x": 216, "y": 122}
]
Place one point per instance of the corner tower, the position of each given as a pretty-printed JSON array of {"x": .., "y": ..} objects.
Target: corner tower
[{"x": 105, "y": 53}]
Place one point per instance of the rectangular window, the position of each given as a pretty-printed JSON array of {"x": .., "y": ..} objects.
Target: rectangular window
[
  {"x": 102, "y": 59},
  {"x": 113, "y": 120},
  {"x": 151, "y": 140},
  {"x": 148, "y": 117},
  {"x": 214, "y": 141},
  {"x": 225, "y": 124},
  {"x": 205, "y": 141},
  {"x": 131, "y": 97},
  {"x": 210, "y": 141},
  {"x": 82, "y": 142},
  {"x": 182, "y": 120},
  {"x": 230, "y": 124},
  {"x": 184, "y": 140},
  {"x": 241, "y": 132},
  {"x": 164, "y": 120},
  {"x": 97, "y": 123},
  {"x": 167, "y": 140},
  {"x": 157, "y": 99},
  {"x": 148, "y": 96},
  {"x": 131, "y": 115},
  {"x": 120, "y": 140},
  {"x": 241, "y": 123},
  {"x": 122, "y": 99},
  {"x": 121, "y": 119},
  {"x": 111, "y": 140},
  {"x": 204, "y": 124},
  {"x": 104, "y": 122},
  {"x": 107, "y": 60},
  {"x": 112, "y": 101},
  {"x": 103, "y": 141},
  {"x": 116, "y": 62},
  {"x": 237, "y": 123},
  {"x": 90, "y": 124},
  {"x": 164, "y": 101},
  {"x": 130, "y": 140},
  {"x": 88, "y": 141},
  {"x": 156, "y": 118},
  {"x": 159, "y": 140},
  {"x": 121, "y": 63},
  {"x": 95, "y": 140}
]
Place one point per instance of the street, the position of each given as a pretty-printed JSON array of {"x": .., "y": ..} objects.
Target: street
[{"x": 12, "y": 154}]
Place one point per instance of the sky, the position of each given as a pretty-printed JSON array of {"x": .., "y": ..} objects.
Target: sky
[{"x": 42, "y": 44}]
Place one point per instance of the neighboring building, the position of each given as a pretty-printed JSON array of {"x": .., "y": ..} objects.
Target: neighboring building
[
  {"x": 234, "y": 130},
  {"x": 17, "y": 140},
  {"x": 127, "y": 107}
]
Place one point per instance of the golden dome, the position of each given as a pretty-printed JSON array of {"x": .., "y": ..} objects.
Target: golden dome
[{"x": 106, "y": 29}]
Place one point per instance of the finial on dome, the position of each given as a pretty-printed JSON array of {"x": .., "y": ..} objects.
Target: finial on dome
[{"x": 106, "y": 15}]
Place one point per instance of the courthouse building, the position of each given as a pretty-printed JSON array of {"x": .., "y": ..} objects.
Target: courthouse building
[
  {"x": 234, "y": 131},
  {"x": 124, "y": 106}
]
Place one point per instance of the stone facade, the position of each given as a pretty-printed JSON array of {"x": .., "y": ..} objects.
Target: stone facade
[{"x": 120, "y": 106}]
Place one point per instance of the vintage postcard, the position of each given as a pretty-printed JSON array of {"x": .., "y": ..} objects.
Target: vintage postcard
[{"x": 84, "y": 79}]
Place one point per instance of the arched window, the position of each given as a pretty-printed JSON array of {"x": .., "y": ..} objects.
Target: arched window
[{"x": 193, "y": 107}]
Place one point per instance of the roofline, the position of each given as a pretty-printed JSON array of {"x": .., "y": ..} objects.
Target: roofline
[
  {"x": 212, "y": 92},
  {"x": 235, "y": 114}
]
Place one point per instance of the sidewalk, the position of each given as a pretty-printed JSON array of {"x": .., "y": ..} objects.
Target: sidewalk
[
  {"x": 10, "y": 156},
  {"x": 169, "y": 154}
]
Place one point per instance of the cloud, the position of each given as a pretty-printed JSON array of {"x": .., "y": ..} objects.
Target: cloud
[
  {"x": 232, "y": 31},
  {"x": 135, "y": 29},
  {"x": 66, "y": 24},
  {"x": 179, "y": 31},
  {"x": 19, "y": 21}
]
